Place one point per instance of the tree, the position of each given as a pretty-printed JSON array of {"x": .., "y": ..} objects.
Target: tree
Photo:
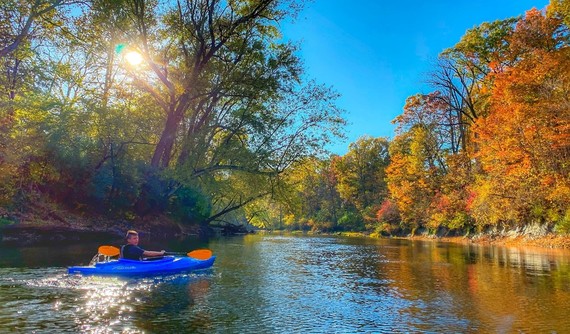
[
  {"x": 411, "y": 181},
  {"x": 560, "y": 9},
  {"x": 360, "y": 174},
  {"x": 428, "y": 174},
  {"x": 26, "y": 36},
  {"x": 231, "y": 94},
  {"x": 461, "y": 77},
  {"x": 19, "y": 19},
  {"x": 215, "y": 114},
  {"x": 310, "y": 199}
]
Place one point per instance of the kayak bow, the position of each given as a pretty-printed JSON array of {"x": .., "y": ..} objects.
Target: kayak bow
[{"x": 124, "y": 267}]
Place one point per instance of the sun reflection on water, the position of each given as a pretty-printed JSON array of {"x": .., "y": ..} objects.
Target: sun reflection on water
[{"x": 97, "y": 304}]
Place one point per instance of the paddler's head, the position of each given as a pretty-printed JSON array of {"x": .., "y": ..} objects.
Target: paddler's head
[{"x": 132, "y": 237}]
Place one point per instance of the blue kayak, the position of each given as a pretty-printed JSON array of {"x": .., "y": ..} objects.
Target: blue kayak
[{"x": 124, "y": 267}]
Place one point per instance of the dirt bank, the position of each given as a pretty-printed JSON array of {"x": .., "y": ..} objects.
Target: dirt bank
[
  {"x": 532, "y": 235},
  {"x": 44, "y": 224}
]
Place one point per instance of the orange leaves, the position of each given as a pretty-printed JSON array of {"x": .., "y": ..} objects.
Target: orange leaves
[
  {"x": 524, "y": 142},
  {"x": 421, "y": 110},
  {"x": 535, "y": 32},
  {"x": 515, "y": 166}
]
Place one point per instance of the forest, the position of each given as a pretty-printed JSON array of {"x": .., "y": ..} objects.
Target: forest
[{"x": 198, "y": 110}]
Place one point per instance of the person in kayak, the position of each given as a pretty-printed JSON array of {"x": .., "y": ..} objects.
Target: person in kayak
[{"x": 132, "y": 251}]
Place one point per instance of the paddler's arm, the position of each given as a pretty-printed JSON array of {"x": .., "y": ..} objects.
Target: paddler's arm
[{"x": 153, "y": 253}]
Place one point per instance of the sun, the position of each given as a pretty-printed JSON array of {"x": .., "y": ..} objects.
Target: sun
[{"x": 134, "y": 58}]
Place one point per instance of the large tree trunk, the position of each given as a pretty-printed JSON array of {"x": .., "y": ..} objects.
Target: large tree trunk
[{"x": 163, "y": 151}]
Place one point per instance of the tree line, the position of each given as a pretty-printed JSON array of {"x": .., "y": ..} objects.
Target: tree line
[{"x": 488, "y": 148}]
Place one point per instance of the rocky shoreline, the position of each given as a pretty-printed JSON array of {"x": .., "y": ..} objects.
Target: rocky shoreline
[
  {"x": 550, "y": 241},
  {"x": 531, "y": 235}
]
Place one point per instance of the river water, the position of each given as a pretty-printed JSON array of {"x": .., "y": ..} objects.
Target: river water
[{"x": 295, "y": 284}]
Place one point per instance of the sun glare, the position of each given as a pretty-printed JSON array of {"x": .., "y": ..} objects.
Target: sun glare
[{"x": 134, "y": 58}]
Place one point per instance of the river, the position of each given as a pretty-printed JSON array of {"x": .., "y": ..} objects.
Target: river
[{"x": 295, "y": 284}]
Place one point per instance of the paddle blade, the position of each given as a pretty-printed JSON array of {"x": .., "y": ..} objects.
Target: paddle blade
[
  {"x": 200, "y": 254},
  {"x": 109, "y": 251}
]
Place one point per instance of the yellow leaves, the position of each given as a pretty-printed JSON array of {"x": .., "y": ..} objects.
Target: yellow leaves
[
  {"x": 491, "y": 207},
  {"x": 559, "y": 191},
  {"x": 410, "y": 179},
  {"x": 559, "y": 9}
]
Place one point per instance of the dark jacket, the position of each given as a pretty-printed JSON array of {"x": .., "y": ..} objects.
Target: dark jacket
[{"x": 131, "y": 252}]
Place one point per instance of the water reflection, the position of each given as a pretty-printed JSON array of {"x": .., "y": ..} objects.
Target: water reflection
[{"x": 497, "y": 289}]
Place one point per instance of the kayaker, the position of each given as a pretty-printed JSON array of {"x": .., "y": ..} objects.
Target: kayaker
[{"x": 132, "y": 251}]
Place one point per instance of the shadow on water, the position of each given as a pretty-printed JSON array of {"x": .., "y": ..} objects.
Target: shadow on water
[{"x": 80, "y": 253}]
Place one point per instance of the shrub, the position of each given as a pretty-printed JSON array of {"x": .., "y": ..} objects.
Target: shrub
[
  {"x": 351, "y": 221},
  {"x": 563, "y": 225}
]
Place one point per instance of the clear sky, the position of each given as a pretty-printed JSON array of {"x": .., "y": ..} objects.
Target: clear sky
[{"x": 376, "y": 53}]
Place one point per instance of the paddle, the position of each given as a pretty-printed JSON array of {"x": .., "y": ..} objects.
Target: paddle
[
  {"x": 109, "y": 251},
  {"x": 198, "y": 254}
]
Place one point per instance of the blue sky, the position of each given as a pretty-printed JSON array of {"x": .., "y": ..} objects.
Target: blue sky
[{"x": 376, "y": 53}]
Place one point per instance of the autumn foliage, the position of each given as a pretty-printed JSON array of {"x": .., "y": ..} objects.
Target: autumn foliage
[
  {"x": 515, "y": 166},
  {"x": 524, "y": 143}
]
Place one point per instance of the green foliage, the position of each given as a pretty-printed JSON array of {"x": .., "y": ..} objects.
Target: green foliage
[
  {"x": 152, "y": 198},
  {"x": 351, "y": 221},
  {"x": 560, "y": 9},
  {"x": 360, "y": 172},
  {"x": 6, "y": 221},
  {"x": 189, "y": 206},
  {"x": 232, "y": 114},
  {"x": 460, "y": 221}
]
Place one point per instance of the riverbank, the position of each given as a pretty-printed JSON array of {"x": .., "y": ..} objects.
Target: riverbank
[
  {"x": 49, "y": 224},
  {"x": 507, "y": 238},
  {"x": 547, "y": 240},
  {"x": 528, "y": 236},
  {"x": 544, "y": 242}
]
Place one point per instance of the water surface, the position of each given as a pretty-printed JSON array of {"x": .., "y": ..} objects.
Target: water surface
[{"x": 289, "y": 284}]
